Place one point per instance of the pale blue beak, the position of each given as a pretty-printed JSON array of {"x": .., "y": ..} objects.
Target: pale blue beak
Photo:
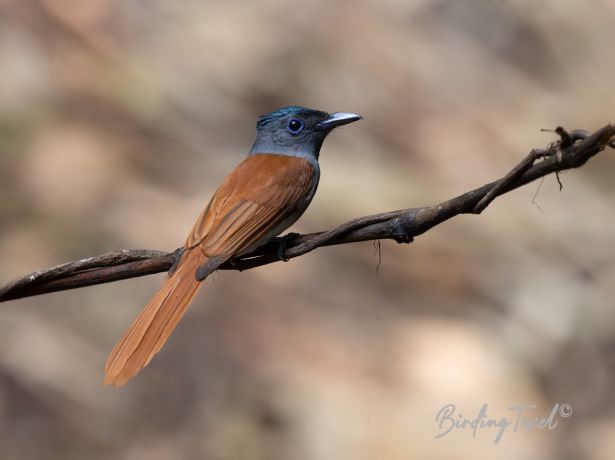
[{"x": 337, "y": 119}]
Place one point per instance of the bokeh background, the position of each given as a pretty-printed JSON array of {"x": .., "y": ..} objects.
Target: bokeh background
[{"x": 118, "y": 119}]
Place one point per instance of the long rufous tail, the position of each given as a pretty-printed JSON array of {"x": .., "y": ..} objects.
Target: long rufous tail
[{"x": 156, "y": 322}]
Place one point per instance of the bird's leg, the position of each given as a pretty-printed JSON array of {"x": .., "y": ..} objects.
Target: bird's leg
[{"x": 282, "y": 242}]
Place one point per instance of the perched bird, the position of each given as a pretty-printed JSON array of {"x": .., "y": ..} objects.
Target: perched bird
[{"x": 263, "y": 196}]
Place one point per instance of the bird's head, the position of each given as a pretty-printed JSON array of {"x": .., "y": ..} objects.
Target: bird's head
[{"x": 297, "y": 130}]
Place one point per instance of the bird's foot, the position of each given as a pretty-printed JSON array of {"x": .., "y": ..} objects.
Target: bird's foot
[{"x": 282, "y": 242}]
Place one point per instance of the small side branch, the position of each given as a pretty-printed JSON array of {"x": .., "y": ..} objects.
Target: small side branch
[{"x": 572, "y": 150}]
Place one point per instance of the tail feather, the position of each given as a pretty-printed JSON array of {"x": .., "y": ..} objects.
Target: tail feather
[{"x": 149, "y": 332}]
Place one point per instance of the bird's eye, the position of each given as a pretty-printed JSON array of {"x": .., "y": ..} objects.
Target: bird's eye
[{"x": 295, "y": 126}]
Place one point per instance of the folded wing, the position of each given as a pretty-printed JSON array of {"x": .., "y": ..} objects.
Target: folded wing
[{"x": 258, "y": 198}]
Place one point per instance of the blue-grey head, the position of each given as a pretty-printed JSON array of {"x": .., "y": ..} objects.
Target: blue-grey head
[{"x": 297, "y": 131}]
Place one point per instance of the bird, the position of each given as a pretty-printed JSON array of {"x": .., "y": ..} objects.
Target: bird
[{"x": 262, "y": 197}]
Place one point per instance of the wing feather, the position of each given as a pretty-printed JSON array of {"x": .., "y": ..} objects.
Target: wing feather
[{"x": 258, "y": 197}]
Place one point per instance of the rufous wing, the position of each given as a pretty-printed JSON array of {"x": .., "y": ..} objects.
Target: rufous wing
[{"x": 256, "y": 198}]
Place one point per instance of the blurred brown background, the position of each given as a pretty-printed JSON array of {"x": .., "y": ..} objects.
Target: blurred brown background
[{"x": 118, "y": 119}]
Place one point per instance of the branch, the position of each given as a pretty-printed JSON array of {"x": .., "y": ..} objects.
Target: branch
[{"x": 572, "y": 150}]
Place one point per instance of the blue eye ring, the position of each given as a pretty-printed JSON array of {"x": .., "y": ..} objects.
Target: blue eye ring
[{"x": 295, "y": 126}]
